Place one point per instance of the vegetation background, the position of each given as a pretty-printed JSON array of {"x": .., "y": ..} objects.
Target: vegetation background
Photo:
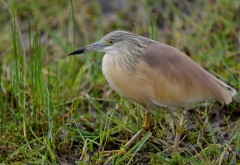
[{"x": 56, "y": 109}]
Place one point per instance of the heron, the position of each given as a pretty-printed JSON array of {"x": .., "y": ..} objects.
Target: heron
[{"x": 153, "y": 73}]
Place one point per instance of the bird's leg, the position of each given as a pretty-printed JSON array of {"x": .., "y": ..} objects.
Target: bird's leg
[
  {"x": 179, "y": 121},
  {"x": 146, "y": 123},
  {"x": 178, "y": 131}
]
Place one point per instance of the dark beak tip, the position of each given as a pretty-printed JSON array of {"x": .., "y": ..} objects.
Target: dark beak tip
[
  {"x": 70, "y": 54},
  {"x": 79, "y": 51}
]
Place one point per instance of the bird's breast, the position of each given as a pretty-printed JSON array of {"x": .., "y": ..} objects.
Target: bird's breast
[
  {"x": 128, "y": 83},
  {"x": 111, "y": 73}
]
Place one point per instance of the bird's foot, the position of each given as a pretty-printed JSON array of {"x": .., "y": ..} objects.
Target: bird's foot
[
  {"x": 127, "y": 145},
  {"x": 121, "y": 151}
]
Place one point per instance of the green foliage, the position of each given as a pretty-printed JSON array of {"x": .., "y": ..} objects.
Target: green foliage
[{"x": 56, "y": 109}]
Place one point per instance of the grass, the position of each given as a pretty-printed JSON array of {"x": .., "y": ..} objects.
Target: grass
[{"x": 57, "y": 109}]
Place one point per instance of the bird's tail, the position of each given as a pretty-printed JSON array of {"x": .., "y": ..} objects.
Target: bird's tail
[{"x": 226, "y": 91}]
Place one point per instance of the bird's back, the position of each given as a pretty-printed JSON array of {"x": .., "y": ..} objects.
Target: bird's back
[{"x": 178, "y": 80}]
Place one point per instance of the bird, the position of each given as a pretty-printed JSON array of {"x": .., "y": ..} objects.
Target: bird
[{"x": 153, "y": 73}]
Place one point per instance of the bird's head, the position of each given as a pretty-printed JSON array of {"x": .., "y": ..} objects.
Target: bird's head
[{"x": 115, "y": 42}]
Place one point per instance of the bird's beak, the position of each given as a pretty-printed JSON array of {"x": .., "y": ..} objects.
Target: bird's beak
[{"x": 97, "y": 46}]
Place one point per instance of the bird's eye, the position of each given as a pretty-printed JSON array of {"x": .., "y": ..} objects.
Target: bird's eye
[{"x": 110, "y": 42}]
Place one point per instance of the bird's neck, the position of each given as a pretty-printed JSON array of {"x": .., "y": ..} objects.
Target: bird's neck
[{"x": 123, "y": 59}]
